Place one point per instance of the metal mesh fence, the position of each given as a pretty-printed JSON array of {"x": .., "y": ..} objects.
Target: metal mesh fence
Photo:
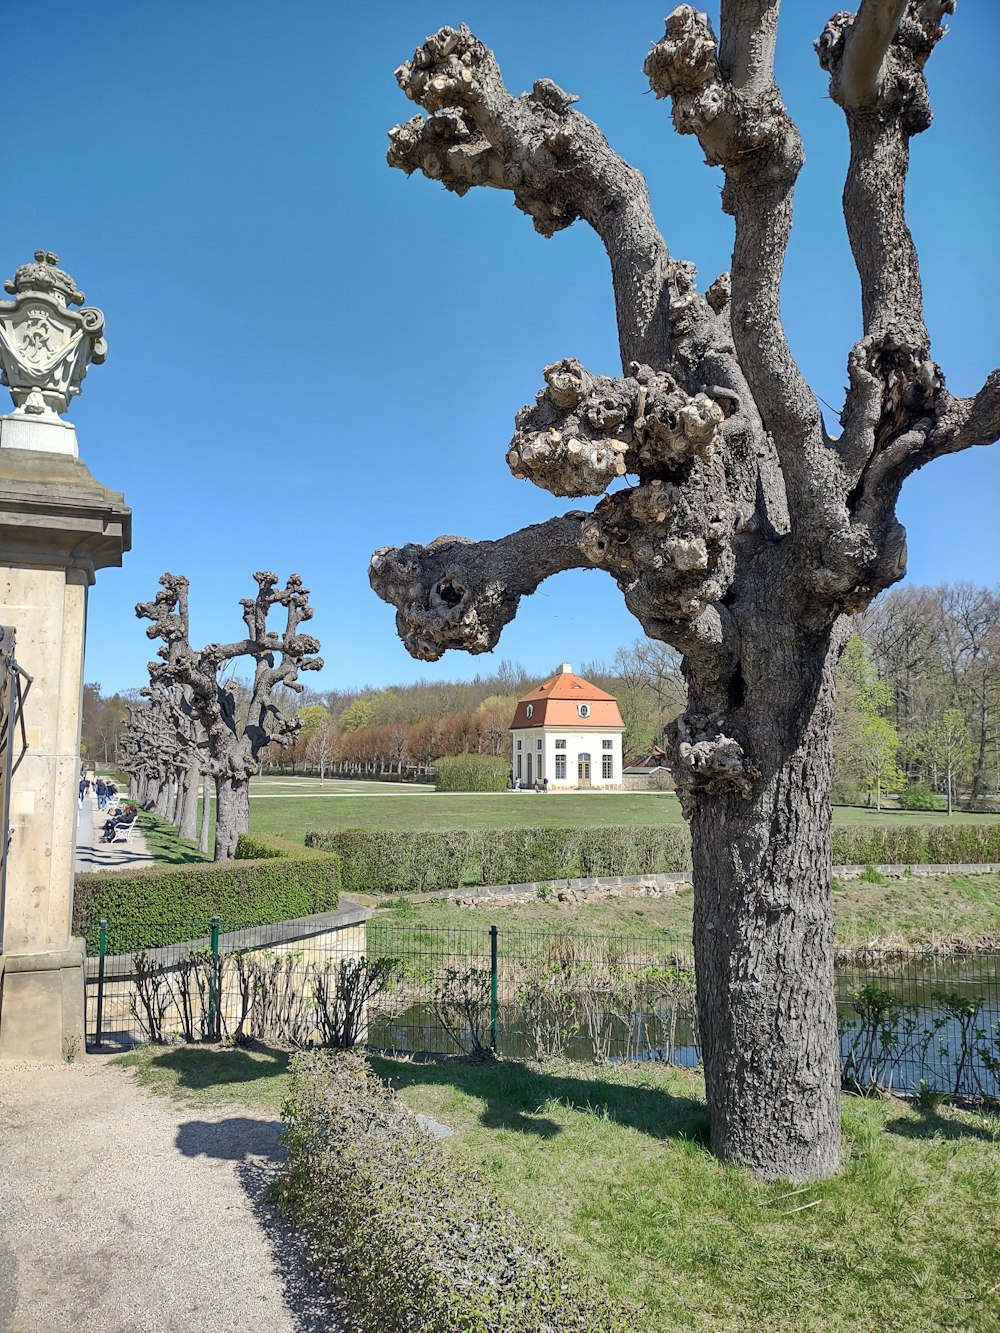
[{"x": 908, "y": 1021}]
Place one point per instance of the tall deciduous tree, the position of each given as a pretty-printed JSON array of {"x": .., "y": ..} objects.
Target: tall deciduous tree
[
  {"x": 235, "y": 736},
  {"x": 749, "y": 532}
]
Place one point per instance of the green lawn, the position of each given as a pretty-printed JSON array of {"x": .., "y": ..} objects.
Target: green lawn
[
  {"x": 293, "y": 806},
  {"x": 937, "y": 908},
  {"x": 610, "y": 1163}
]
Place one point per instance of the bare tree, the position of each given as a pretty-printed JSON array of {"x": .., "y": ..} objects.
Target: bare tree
[
  {"x": 235, "y": 731},
  {"x": 749, "y": 533}
]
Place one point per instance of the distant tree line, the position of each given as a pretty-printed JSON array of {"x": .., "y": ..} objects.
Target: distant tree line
[
  {"x": 919, "y": 700},
  {"x": 918, "y": 712}
]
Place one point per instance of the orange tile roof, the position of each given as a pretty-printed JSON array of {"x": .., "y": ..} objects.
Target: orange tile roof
[{"x": 554, "y": 704}]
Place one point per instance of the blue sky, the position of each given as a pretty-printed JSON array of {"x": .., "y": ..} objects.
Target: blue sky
[{"x": 312, "y": 356}]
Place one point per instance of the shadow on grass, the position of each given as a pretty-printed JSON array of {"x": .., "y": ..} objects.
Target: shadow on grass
[
  {"x": 200, "y": 1067},
  {"x": 516, "y": 1096},
  {"x": 931, "y": 1124},
  {"x": 163, "y": 842}
]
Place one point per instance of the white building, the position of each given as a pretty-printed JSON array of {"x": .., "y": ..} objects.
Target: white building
[{"x": 567, "y": 733}]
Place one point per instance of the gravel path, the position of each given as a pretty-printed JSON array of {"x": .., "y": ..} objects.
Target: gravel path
[{"x": 121, "y": 1210}]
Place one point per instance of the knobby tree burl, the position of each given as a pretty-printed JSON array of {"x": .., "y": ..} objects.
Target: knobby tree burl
[
  {"x": 235, "y": 731},
  {"x": 746, "y": 534}
]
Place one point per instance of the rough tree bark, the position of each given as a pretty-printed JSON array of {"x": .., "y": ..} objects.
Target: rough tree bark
[
  {"x": 747, "y": 533},
  {"x": 234, "y": 736}
]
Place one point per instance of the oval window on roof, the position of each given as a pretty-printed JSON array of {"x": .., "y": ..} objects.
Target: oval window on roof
[
  {"x": 529, "y": 710},
  {"x": 583, "y": 710}
]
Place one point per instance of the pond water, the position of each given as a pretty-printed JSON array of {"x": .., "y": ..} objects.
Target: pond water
[{"x": 904, "y": 1023}]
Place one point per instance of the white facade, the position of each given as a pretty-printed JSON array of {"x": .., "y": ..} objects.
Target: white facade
[{"x": 568, "y": 758}]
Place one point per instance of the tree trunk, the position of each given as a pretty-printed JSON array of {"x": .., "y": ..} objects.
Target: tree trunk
[
  {"x": 204, "y": 835},
  {"x": 232, "y": 815},
  {"x": 161, "y": 800},
  {"x": 763, "y": 927},
  {"x": 187, "y": 814}
]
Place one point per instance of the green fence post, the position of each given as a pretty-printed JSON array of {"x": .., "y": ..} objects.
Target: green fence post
[
  {"x": 215, "y": 1011},
  {"x": 493, "y": 988},
  {"x": 102, "y": 950}
]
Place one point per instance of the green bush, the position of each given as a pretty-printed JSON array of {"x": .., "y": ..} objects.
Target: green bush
[
  {"x": 524, "y": 855},
  {"x": 635, "y": 851},
  {"x": 406, "y": 1237},
  {"x": 395, "y": 861},
  {"x": 159, "y": 905},
  {"x": 918, "y": 796},
  {"x": 916, "y": 844},
  {"x": 471, "y": 772}
]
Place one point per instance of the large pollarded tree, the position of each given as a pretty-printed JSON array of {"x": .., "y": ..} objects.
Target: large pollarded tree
[
  {"x": 749, "y": 533},
  {"x": 234, "y": 731}
]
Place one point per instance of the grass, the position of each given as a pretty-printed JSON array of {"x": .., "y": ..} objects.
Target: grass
[
  {"x": 610, "y": 1163},
  {"x": 164, "y": 843},
  {"x": 912, "y": 909},
  {"x": 293, "y": 806}
]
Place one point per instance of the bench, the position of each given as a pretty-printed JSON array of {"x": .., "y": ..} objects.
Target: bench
[{"x": 123, "y": 832}]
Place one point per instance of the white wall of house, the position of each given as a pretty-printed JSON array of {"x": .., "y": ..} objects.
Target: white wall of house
[{"x": 546, "y": 746}]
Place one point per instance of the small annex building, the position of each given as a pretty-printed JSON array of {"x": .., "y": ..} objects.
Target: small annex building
[{"x": 567, "y": 733}]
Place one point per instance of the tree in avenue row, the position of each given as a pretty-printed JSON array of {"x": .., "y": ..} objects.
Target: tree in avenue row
[
  {"x": 746, "y": 535},
  {"x": 235, "y": 729}
]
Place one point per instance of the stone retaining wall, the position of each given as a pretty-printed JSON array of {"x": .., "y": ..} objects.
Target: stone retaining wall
[{"x": 664, "y": 886}]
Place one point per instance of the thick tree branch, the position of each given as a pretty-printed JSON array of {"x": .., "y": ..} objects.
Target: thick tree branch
[
  {"x": 557, "y": 164},
  {"x": 729, "y": 99},
  {"x": 866, "y": 44},
  {"x": 875, "y": 60},
  {"x": 456, "y": 593}
]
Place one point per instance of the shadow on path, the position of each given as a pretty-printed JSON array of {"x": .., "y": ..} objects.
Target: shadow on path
[{"x": 252, "y": 1145}]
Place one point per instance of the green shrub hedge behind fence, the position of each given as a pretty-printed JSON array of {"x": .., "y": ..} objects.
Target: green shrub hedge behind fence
[
  {"x": 406, "y": 1236},
  {"x": 916, "y": 844},
  {"x": 270, "y": 880},
  {"x": 445, "y": 860}
]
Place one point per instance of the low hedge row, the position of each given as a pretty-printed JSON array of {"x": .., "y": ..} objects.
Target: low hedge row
[
  {"x": 916, "y": 844},
  {"x": 271, "y": 880},
  {"x": 443, "y": 860},
  {"x": 387, "y": 860},
  {"x": 405, "y": 1237}
]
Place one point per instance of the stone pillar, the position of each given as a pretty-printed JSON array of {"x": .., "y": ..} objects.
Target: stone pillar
[{"x": 57, "y": 526}]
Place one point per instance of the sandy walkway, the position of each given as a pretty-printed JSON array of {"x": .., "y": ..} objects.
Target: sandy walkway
[{"x": 121, "y": 1211}]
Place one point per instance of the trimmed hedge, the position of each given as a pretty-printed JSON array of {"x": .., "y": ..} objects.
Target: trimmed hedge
[
  {"x": 158, "y": 905},
  {"x": 444, "y": 860},
  {"x": 916, "y": 844},
  {"x": 635, "y": 851},
  {"x": 471, "y": 772},
  {"x": 406, "y": 1237}
]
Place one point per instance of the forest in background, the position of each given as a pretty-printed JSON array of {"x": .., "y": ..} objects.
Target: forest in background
[{"x": 918, "y": 710}]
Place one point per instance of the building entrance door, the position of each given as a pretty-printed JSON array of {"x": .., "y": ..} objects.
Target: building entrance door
[
  {"x": 583, "y": 770},
  {"x": 531, "y": 781}
]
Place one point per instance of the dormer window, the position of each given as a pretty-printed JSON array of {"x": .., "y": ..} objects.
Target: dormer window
[
  {"x": 529, "y": 710},
  {"x": 583, "y": 710}
]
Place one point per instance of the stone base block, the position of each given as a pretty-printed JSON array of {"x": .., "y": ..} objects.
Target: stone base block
[
  {"x": 41, "y": 1005},
  {"x": 44, "y": 435}
]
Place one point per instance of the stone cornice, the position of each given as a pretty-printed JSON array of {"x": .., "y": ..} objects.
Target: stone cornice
[{"x": 53, "y": 513}]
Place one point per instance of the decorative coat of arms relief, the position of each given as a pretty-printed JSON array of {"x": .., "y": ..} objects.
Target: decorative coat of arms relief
[{"x": 45, "y": 347}]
